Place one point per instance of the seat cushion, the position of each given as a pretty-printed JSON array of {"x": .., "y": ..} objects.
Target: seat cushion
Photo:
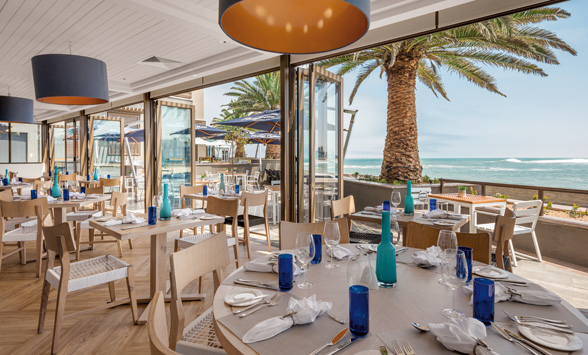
[
  {"x": 253, "y": 220},
  {"x": 199, "y": 337},
  {"x": 191, "y": 240},
  {"x": 86, "y": 223},
  {"x": 91, "y": 272},
  {"x": 488, "y": 227},
  {"x": 83, "y": 215},
  {"x": 27, "y": 232}
]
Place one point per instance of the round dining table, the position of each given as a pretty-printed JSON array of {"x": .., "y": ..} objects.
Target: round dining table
[{"x": 418, "y": 297}]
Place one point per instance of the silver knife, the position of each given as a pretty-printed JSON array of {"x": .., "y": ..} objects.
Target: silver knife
[
  {"x": 531, "y": 344},
  {"x": 344, "y": 345},
  {"x": 254, "y": 284}
]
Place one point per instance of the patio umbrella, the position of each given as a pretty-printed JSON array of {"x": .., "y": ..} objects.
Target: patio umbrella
[
  {"x": 264, "y": 138},
  {"x": 135, "y": 135},
  {"x": 202, "y": 131},
  {"x": 267, "y": 121}
]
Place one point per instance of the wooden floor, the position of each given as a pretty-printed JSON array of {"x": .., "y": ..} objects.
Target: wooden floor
[{"x": 106, "y": 332}]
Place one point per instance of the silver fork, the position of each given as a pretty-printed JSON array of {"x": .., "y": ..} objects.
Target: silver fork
[
  {"x": 273, "y": 301},
  {"x": 562, "y": 328},
  {"x": 407, "y": 348},
  {"x": 397, "y": 349},
  {"x": 539, "y": 319}
]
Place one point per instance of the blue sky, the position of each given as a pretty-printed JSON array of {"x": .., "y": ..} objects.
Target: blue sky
[{"x": 540, "y": 117}]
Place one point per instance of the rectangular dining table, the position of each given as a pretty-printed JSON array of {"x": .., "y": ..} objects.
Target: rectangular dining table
[
  {"x": 60, "y": 207},
  {"x": 471, "y": 202},
  {"x": 403, "y": 220},
  {"x": 158, "y": 259}
]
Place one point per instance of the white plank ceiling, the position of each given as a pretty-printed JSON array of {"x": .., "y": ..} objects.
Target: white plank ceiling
[{"x": 123, "y": 33}]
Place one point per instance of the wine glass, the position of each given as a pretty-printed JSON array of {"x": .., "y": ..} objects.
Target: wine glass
[
  {"x": 305, "y": 253},
  {"x": 446, "y": 240},
  {"x": 359, "y": 270},
  {"x": 423, "y": 197},
  {"x": 396, "y": 199},
  {"x": 395, "y": 230},
  {"x": 332, "y": 237},
  {"x": 455, "y": 273}
]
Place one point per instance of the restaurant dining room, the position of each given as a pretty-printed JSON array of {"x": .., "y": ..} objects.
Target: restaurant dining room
[{"x": 173, "y": 180}]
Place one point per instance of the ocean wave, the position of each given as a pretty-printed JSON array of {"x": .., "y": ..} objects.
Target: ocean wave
[
  {"x": 559, "y": 161},
  {"x": 498, "y": 169},
  {"x": 446, "y": 166},
  {"x": 513, "y": 160},
  {"x": 362, "y": 166}
]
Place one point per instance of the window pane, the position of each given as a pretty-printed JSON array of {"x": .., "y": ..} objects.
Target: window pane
[
  {"x": 107, "y": 148},
  {"x": 175, "y": 149},
  {"x": 26, "y": 143},
  {"x": 59, "y": 147},
  {"x": 3, "y": 143}
]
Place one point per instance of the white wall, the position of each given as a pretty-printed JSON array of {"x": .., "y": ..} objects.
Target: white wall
[{"x": 24, "y": 170}]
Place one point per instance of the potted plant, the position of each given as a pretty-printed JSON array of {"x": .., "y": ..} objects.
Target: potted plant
[
  {"x": 461, "y": 191},
  {"x": 357, "y": 175}
]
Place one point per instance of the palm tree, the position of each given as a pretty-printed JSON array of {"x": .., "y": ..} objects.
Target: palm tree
[
  {"x": 260, "y": 95},
  {"x": 509, "y": 42},
  {"x": 230, "y": 114}
]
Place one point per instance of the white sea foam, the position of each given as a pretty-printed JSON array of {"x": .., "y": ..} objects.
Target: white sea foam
[
  {"x": 362, "y": 166},
  {"x": 559, "y": 161},
  {"x": 513, "y": 160},
  {"x": 446, "y": 166}
]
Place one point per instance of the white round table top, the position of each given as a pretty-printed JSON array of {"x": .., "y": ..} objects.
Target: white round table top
[{"x": 418, "y": 297}]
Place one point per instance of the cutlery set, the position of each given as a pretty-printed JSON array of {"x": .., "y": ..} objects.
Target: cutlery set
[{"x": 402, "y": 348}]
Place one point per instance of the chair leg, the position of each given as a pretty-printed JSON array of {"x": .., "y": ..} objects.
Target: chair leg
[
  {"x": 267, "y": 235},
  {"x": 176, "y": 246},
  {"x": 119, "y": 246},
  {"x": 1, "y": 253},
  {"x": 200, "y": 287},
  {"x": 130, "y": 244},
  {"x": 536, "y": 244},
  {"x": 132, "y": 293},
  {"x": 59, "y": 311},
  {"x": 44, "y": 301},
  {"x": 39, "y": 252},
  {"x": 236, "y": 251},
  {"x": 512, "y": 253},
  {"x": 91, "y": 238},
  {"x": 246, "y": 241},
  {"x": 23, "y": 252},
  {"x": 78, "y": 239},
  {"x": 112, "y": 291},
  {"x": 181, "y": 233}
]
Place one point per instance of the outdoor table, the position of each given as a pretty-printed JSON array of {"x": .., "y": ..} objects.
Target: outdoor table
[
  {"x": 158, "y": 262},
  {"x": 471, "y": 202},
  {"x": 417, "y": 297},
  {"x": 17, "y": 187},
  {"x": 60, "y": 207}
]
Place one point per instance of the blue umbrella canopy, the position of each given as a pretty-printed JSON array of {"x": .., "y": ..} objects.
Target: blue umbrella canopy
[
  {"x": 202, "y": 131},
  {"x": 264, "y": 138},
  {"x": 267, "y": 121}
]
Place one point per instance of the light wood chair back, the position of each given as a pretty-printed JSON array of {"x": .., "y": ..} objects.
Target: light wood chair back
[
  {"x": 223, "y": 207},
  {"x": 421, "y": 236},
  {"x": 157, "y": 326},
  {"x": 95, "y": 190},
  {"x": 30, "y": 180},
  {"x": 210, "y": 255},
  {"x": 80, "y": 177},
  {"x": 62, "y": 177},
  {"x": 343, "y": 208},
  {"x": 503, "y": 233},
  {"x": 250, "y": 199},
  {"x": 289, "y": 231},
  {"x": 6, "y": 195},
  {"x": 189, "y": 190},
  {"x": 112, "y": 183},
  {"x": 118, "y": 200},
  {"x": 55, "y": 235},
  {"x": 26, "y": 208},
  {"x": 253, "y": 199},
  {"x": 42, "y": 185}
]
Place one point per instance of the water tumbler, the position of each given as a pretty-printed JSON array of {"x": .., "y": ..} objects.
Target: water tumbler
[
  {"x": 152, "y": 215},
  {"x": 285, "y": 271},
  {"x": 468, "y": 254},
  {"x": 359, "y": 310},
  {"x": 108, "y": 176},
  {"x": 83, "y": 189},
  {"x": 19, "y": 179},
  {"x": 65, "y": 195},
  {"x": 386, "y": 205},
  {"x": 33, "y": 194},
  {"x": 88, "y": 177},
  {"x": 318, "y": 249},
  {"x": 237, "y": 189},
  {"x": 484, "y": 300},
  {"x": 204, "y": 190},
  {"x": 432, "y": 204}
]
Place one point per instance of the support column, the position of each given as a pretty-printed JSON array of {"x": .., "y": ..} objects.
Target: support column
[
  {"x": 46, "y": 145},
  {"x": 150, "y": 152},
  {"x": 287, "y": 162},
  {"x": 84, "y": 144}
]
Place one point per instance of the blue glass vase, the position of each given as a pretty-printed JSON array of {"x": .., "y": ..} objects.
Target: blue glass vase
[
  {"x": 95, "y": 174},
  {"x": 55, "y": 191},
  {"x": 386, "y": 256},
  {"x": 165, "y": 212},
  {"x": 408, "y": 201}
]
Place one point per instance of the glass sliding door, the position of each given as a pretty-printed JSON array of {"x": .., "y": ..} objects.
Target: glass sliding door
[
  {"x": 72, "y": 146},
  {"x": 59, "y": 160},
  {"x": 106, "y": 147},
  {"x": 4, "y": 146}
]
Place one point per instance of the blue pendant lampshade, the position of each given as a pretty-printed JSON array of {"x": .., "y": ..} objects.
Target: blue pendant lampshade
[
  {"x": 294, "y": 26},
  {"x": 16, "y": 109},
  {"x": 67, "y": 79}
]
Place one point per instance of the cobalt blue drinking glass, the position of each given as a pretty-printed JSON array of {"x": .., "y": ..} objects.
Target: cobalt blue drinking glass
[
  {"x": 33, "y": 194},
  {"x": 468, "y": 254},
  {"x": 359, "y": 310},
  {"x": 83, "y": 189},
  {"x": 386, "y": 206},
  {"x": 67, "y": 173},
  {"x": 237, "y": 189},
  {"x": 484, "y": 300},
  {"x": 204, "y": 190},
  {"x": 108, "y": 176},
  {"x": 152, "y": 215},
  {"x": 285, "y": 271},
  {"x": 19, "y": 179},
  {"x": 433, "y": 204},
  {"x": 88, "y": 177},
  {"x": 318, "y": 249},
  {"x": 65, "y": 195}
]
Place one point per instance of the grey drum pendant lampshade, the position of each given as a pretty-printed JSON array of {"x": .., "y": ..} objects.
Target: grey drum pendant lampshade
[
  {"x": 16, "y": 109},
  {"x": 67, "y": 79},
  {"x": 294, "y": 26}
]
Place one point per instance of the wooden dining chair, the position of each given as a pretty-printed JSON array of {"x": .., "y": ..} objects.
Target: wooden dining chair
[
  {"x": 31, "y": 180},
  {"x": 6, "y": 195},
  {"x": 42, "y": 187},
  {"x": 190, "y": 190},
  {"x": 343, "y": 208},
  {"x": 62, "y": 178},
  {"x": 247, "y": 220},
  {"x": 503, "y": 232},
  {"x": 157, "y": 326},
  {"x": 111, "y": 183},
  {"x": 27, "y": 232},
  {"x": 79, "y": 277},
  {"x": 289, "y": 231},
  {"x": 422, "y": 236},
  {"x": 187, "y": 265}
]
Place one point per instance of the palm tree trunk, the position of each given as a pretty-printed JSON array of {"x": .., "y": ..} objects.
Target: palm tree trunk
[
  {"x": 240, "y": 151},
  {"x": 272, "y": 151},
  {"x": 401, "y": 151}
]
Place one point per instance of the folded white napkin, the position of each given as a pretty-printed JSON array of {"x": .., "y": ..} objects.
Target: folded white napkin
[
  {"x": 440, "y": 214},
  {"x": 340, "y": 252},
  {"x": 429, "y": 257},
  {"x": 502, "y": 293},
  {"x": 185, "y": 212},
  {"x": 460, "y": 335},
  {"x": 377, "y": 209},
  {"x": 130, "y": 219},
  {"x": 229, "y": 193},
  {"x": 77, "y": 195},
  {"x": 93, "y": 196},
  {"x": 307, "y": 310},
  {"x": 260, "y": 266},
  {"x": 50, "y": 198}
]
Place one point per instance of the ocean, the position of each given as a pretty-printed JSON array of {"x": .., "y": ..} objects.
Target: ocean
[{"x": 551, "y": 172}]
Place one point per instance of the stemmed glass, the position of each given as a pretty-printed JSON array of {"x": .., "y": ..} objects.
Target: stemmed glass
[
  {"x": 455, "y": 273},
  {"x": 332, "y": 237},
  {"x": 446, "y": 240},
  {"x": 395, "y": 230},
  {"x": 395, "y": 199},
  {"x": 423, "y": 197},
  {"x": 305, "y": 252}
]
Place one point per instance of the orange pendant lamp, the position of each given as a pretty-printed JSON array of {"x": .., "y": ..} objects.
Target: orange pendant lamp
[
  {"x": 295, "y": 26},
  {"x": 66, "y": 79}
]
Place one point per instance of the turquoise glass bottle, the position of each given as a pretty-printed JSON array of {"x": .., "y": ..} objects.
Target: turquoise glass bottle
[
  {"x": 222, "y": 184},
  {"x": 5, "y": 179},
  {"x": 55, "y": 191},
  {"x": 165, "y": 212},
  {"x": 408, "y": 201},
  {"x": 95, "y": 174},
  {"x": 386, "y": 256}
]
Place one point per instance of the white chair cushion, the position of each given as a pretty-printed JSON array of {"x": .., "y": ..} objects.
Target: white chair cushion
[
  {"x": 83, "y": 215},
  {"x": 192, "y": 240},
  {"x": 199, "y": 337},
  {"x": 91, "y": 272},
  {"x": 488, "y": 227},
  {"x": 86, "y": 223},
  {"x": 26, "y": 233}
]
